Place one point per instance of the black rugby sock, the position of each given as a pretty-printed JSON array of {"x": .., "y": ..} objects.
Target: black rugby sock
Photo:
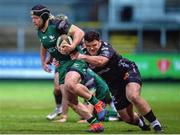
[
  {"x": 152, "y": 119},
  {"x": 58, "y": 98},
  {"x": 150, "y": 116}
]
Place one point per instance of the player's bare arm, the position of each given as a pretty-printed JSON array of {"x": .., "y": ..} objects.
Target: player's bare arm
[
  {"x": 93, "y": 60},
  {"x": 77, "y": 35},
  {"x": 44, "y": 62}
]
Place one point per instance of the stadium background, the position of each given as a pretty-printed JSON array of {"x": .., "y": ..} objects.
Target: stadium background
[
  {"x": 146, "y": 31},
  {"x": 135, "y": 28}
]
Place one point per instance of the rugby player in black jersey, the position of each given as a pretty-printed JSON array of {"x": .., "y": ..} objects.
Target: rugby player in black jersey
[{"x": 123, "y": 78}]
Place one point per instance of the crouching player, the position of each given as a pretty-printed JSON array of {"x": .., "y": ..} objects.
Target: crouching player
[
  {"x": 100, "y": 89},
  {"x": 71, "y": 73}
]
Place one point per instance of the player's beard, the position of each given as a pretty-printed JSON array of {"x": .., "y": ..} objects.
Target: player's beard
[{"x": 41, "y": 26}]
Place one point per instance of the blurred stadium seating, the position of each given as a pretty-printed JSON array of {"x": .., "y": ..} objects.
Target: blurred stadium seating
[{"x": 133, "y": 27}]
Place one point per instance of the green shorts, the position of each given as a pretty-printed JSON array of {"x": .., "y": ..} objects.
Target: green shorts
[
  {"x": 104, "y": 96},
  {"x": 72, "y": 65},
  {"x": 98, "y": 86}
]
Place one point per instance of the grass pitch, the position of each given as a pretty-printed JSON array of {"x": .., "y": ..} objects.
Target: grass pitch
[{"x": 25, "y": 104}]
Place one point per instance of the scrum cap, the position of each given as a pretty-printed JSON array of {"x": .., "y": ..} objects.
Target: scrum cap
[{"x": 41, "y": 11}]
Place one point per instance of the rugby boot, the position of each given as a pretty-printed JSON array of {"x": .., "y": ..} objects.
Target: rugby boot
[
  {"x": 158, "y": 129},
  {"x": 96, "y": 128},
  {"x": 145, "y": 127},
  {"x": 54, "y": 114}
]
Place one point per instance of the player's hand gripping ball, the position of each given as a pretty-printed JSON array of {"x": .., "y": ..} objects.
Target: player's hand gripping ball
[{"x": 64, "y": 44}]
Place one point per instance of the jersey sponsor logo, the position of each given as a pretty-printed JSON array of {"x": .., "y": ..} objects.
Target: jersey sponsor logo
[
  {"x": 52, "y": 38},
  {"x": 75, "y": 65},
  {"x": 105, "y": 48},
  {"x": 44, "y": 37},
  {"x": 106, "y": 53},
  {"x": 52, "y": 49},
  {"x": 123, "y": 64}
]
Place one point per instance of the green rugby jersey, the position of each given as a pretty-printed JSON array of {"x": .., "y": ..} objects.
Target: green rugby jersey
[{"x": 49, "y": 38}]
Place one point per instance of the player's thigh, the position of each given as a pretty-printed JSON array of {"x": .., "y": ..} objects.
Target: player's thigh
[
  {"x": 76, "y": 72},
  {"x": 72, "y": 77},
  {"x": 72, "y": 98},
  {"x": 133, "y": 90}
]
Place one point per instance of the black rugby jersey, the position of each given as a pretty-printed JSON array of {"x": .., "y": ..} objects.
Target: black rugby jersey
[{"x": 116, "y": 67}]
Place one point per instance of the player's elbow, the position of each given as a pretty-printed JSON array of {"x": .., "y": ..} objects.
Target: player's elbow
[
  {"x": 81, "y": 33},
  {"x": 77, "y": 30},
  {"x": 100, "y": 63}
]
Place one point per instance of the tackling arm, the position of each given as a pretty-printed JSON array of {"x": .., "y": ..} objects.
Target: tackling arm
[
  {"x": 97, "y": 61},
  {"x": 43, "y": 52},
  {"x": 44, "y": 63},
  {"x": 77, "y": 35}
]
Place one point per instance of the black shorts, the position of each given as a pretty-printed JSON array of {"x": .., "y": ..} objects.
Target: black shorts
[{"x": 118, "y": 89}]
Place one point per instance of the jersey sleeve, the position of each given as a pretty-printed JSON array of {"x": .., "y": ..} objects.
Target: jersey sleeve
[
  {"x": 106, "y": 51},
  {"x": 63, "y": 26}
]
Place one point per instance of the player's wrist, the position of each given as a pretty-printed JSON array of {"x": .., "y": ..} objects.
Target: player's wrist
[
  {"x": 73, "y": 46},
  {"x": 81, "y": 56}
]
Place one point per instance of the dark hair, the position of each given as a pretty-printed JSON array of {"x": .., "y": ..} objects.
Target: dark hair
[
  {"x": 41, "y": 11},
  {"x": 91, "y": 35}
]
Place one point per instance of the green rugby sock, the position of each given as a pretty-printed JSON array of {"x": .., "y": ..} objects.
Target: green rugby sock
[
  {"x": 111, "y": 113},
  {"x": 93, "y": 100},
  {"x": 92, "y": 120}
]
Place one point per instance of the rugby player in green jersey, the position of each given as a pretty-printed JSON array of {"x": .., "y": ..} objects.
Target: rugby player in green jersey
[
  {"x": 100, "y": 89},
  {"x": 48, "y": 32},
  {"x": 91, "y": 80},
  {"x": 40, "y": 20}
]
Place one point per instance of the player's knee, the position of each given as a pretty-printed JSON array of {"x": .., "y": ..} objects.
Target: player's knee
[
  {"x": 125, "y": 116},
  {"x": 133, "y": 98},
  {"x": 127, "y": 119},
  {"x": 70, "y": 87},
  {"x": 56, "y": 89},
  {"x": 73, "y": 104}
]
